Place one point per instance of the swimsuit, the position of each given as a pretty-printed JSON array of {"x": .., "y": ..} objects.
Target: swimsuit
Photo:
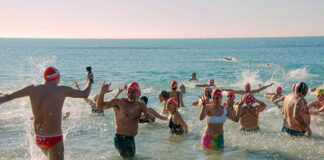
[
  {"x": 214, "y": 141},
  {"x": 125, "y": 145},
  {"x": 98, "y": 111},
  {"x": 144, "y": 121},
  {"x": 250, "y": 130},
  {"x": 292, "y": 132},
  {"x": 47, "y": 141},
  {"x": 175, "y": 128}
]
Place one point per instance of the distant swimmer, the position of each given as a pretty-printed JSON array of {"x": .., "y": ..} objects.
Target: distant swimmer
[
  {"x": 249, "y": 116},
  {"x": 163, "y": 97},
  {"x": 274, "y": 96},
  {"x": 182, "y": 89},
  {"x": 216, "y": 113},
  {"x": 193, "y": 77},
  {"x": 47, "y": 101},
  {"x": 176, "y": 94},
  {"x": 211, "y": 83},
  {"x": 228, "y": 59},
  {"x": 247, "y": 89},
  {"x": 316, "y": 107},
  {"x": 207, "y": 96},
  {"x": 127, "y": 113},
  {"x": 268, "y": 65},
  {"x": 176, "y": 123},
  {"x": 296, "y": 118},
  {"x": 144, "y": 119}
]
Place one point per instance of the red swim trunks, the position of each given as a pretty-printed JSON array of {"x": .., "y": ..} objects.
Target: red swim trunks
[{"x": 47, "y": 141}]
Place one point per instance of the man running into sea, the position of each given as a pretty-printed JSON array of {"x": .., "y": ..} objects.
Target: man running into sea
[
  {"x": 296, "y": 118},
  {"x": 127, "y": 114},
  {"x": 47, "y": 101}
]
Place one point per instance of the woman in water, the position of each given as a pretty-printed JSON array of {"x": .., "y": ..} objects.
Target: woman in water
[
  {"x": 207, "y": 95},
  {"x": 164, "y": 96},
  {"x": 176, "y": 94},
  {"x": 176, "y": 123},
  {"x": 216, "y": 114}
]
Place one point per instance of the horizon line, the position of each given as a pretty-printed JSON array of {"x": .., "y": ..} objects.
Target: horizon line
[{"x": 163, "y": 38}]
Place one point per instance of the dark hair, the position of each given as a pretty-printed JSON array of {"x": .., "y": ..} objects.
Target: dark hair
[
  {"x": 164, "y": 94},
  {"x": 144, "y": 98},
  {"x": 302, "y": 88}
]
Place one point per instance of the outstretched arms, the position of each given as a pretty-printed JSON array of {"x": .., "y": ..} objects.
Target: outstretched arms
[
  {"x": 70, "y": 92},
  {"x": 17, "y": 94},
  {"x": 261, "y": 89},
  {"x": 87, "y": 100}
]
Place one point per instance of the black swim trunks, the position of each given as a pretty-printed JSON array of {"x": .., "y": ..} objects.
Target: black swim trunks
[
  {"x": 125, "y": 145},
  {"x": 250, "y": 130},
  {"x": 292, "y": 132}
]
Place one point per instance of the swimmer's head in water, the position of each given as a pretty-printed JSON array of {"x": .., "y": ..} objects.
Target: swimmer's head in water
[
  {"x": 208, "y": 92},
  {"x": 51, "y": 74},
  {"x": 247, "y": 87},
  {"x": 174, "y": 85},
  {"x": 279, "y": 90},
  {"x": 231, "y": 94},
  {"x": 293, "y": 88},
  {"x": 173, "y": 101},
  {"x": 95, "y": 98},
  {"x": 302, "y": 88},
  {"x": 144, "y": 99},
  {"x": 249, "y": 98},
  {"x": 211, "y": 82},
  {"x": 182, "y": 88},
  {"x": 133, "y": 91}
]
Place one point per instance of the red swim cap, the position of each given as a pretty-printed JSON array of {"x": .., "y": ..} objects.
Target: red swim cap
[
  {"x": 174, "y": 101},
  {"x": 211, "y": 81},
  {"x": 247, "y": 85},
  {"x": 249, "y": 98},
  {"x": 279, "y": 90},
  {"x": 174, "y": 85},
  {"x": 207, "y": 89},
  {"x": 293, "y": 88},
  {"x": 135, "y": 87},
  {"x": 231, "y": 94},
  {"x": 218, "y": 92},
  {"x": 51, "y": 74}
]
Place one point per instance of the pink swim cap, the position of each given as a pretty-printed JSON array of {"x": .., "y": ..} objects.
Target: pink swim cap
[
  {"x": 217, "y": 92},
  {"x": 279, "y": 90},
  {"x": 135, "y": 87},
  {"x": 247, "y": 85},
  {"x": 207, "y": 89},
  {"x": 174, "y": 84},
  {"x": 51, "y": 74},
  {"x": 249, "y": 98},
  {"x": 231, "y": 94},
  {"x": 174, "y": 101}
]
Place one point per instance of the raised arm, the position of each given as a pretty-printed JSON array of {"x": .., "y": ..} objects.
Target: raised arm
[
  {"x": 276, "y": 102},
  {"x": 75, "y": 93},
  {"x": 17, "y": 94},
  {"x": 261, "y": 89},
  {"x": 261, "y": 105},
  {"x": 230, "y": 111},
  {"x": 100, "y": 101},
  {"x": 87, "y": 100},
  {"x": 204, "y": 110},
  {"x": 120, "y": 90}
]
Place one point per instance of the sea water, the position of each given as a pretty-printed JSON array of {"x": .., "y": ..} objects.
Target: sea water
[{"x": 154, "y": 63}]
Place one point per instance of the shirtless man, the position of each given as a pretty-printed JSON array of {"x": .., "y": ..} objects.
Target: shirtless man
[
  {"x": 247, "y": 89},
  {"x": 47, "y": 101},
  {"x": 317, "y": 105},
  {"x": 207, "y": 96},
  {"x": 211, "y": 83},
  {"x": 296, "y": 118},
  {"x": 274, "y": 96},
  {"x": 174, "y": 93},
  {"x": 127, "y": 113},
  {"x": 249, "y": 116},
  {"x": 193, "y": 77}
]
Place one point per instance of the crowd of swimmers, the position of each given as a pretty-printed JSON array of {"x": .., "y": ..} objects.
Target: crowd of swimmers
[{"x": 47, "y": 101}]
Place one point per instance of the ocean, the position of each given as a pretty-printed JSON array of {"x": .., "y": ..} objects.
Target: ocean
[{"x": 154, "y": 63}]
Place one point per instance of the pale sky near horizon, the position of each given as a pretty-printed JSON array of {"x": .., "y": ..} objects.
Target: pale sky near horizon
[{"x": 160, "y": 18}]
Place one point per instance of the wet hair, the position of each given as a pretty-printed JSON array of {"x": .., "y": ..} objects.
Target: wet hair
[
  {"x": 144, "y": 98},
  {"x": 164, "y": 94},
  {"x": 302, "y": 88}
]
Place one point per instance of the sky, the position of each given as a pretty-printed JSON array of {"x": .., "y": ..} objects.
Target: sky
[{"x": 160, "y": 18}]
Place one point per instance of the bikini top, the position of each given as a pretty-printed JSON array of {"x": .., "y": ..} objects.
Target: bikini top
[
  {"x": 175, "y": 128},
  {"x": 218, "y": 119}
]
